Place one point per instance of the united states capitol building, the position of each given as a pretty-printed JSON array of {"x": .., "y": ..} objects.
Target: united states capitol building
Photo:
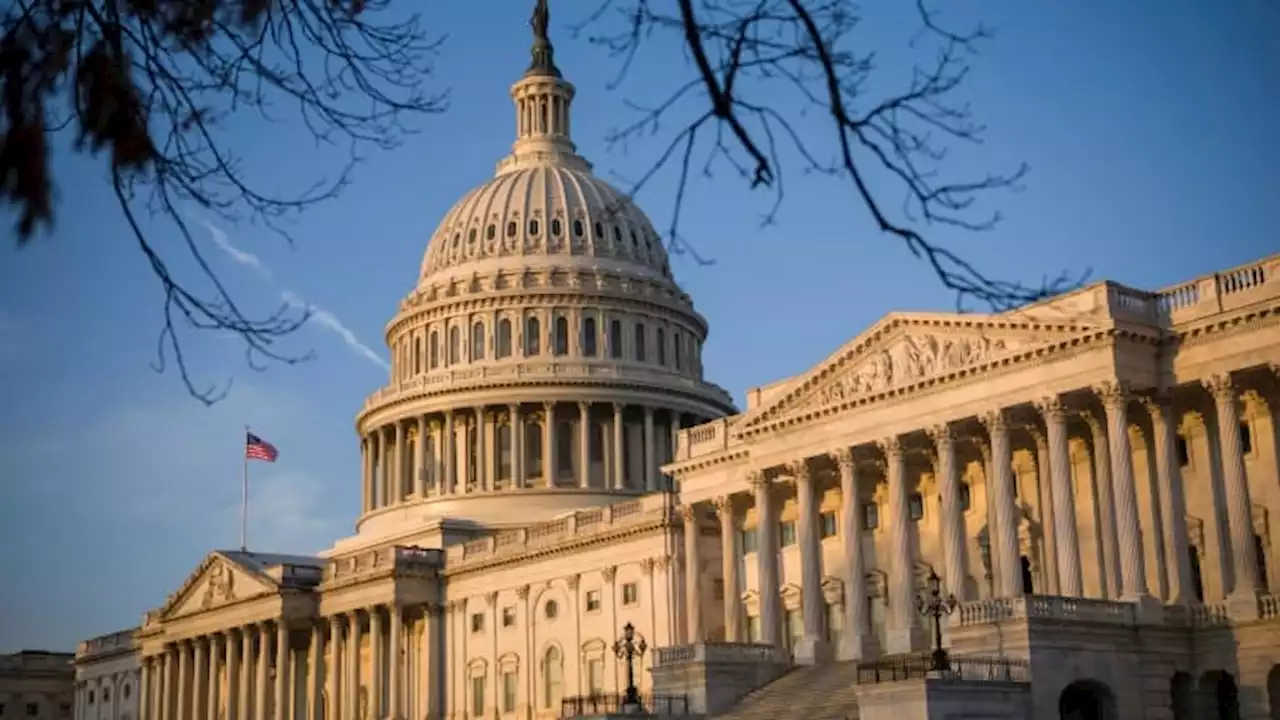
[{"x": 1094, "y": 478}]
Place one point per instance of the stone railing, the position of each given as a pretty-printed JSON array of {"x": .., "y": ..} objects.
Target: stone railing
[
  {"x": 704, "y": 439},
  {"x": 1196, "y": 616},
  {"x": 1202, "y": 297},
  {"x": 1269, "y": 607},
  {"x": 541, "y": 370},
  {"x": 985, "y": 612},
  {"x": 720, "y": 653},
  {"x": 962, "y": 667},
  {"x": 580, "y": 523},
  {"x": 123, "y": 640},
  {"x": 381, "y": 560}
]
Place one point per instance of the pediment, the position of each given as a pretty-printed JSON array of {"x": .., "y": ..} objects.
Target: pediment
[
  {"x": 902, "y": 351},
  {"x": 216, "y": 582}
]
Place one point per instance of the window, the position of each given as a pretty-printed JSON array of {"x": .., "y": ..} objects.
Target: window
[
  {"x": 577, "y": 228},
  {"x": 510, "y": 685},
  {"x": 660, "y": 347},
  {"x": 787, "y": 533},
  {"x": 595, "y": 676},
  {"x": 827, "y": 525},
  {"x": 509, "y": 616},
  {"x": 503, "y": 348},
  {"x": 915, "y": 506},
  {"x": 477, "y": 622},
  {"x": 552, "y": 610},
  {"x": 106, "y": 694},
  {"x": 455, "y": 346},
  {"x": 870, "y": 516},
  {"x": 747, "y": 540},
  {"x": 615, "y": 339},
  {"x": 630, "y": 594},
  {"x": 675, "y": 348},
  {"x": 532, "y": 330},
  {"x": 555, "y": 227},
  {"x": 64, "y": 709},
  {"x": 640, "y": 342},
  {"x": 564, "y": 448},
  {"x": 561, "y": 346},
  {"x": 90, "y": 697},
  {"x": 490, "y": 231},
  {"x": 589, "y": 337},
  {"x": 596, "y": 451},
  {"x": 417, "y": 355},
  {"x": 1246, "y": 438},
  {"x": 33, "y": 709},
  {"x": 599, "y": 230},
  {"x": 1184, "y": 454},
  {"x": 434, "y": 350},
  {"x": 477, "y": 341},
  {"x": 965, "y": 493},
  {"x": 477, "y": 695},
  {"x": 593, "y": 600},
  {"x": 504, "y": 451},
  {"x": 126, "y": 691},
  {"x": 551, "y": 670},
  {"x": 533, "y": 227},
  {"x": 532, "y": 450},
  {"x": 511, "y": 229}
]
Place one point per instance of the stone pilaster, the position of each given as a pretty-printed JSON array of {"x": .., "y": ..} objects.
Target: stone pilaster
[
  {"x": 856, "y": 612},
  {"x": 1006, "y": 558},
  {"x": 952, "y": 526},
  {"x": 1045, "y": 484},
  {"x": 1070, "y": 580},
  {"x": 813, "y": 646},
  {"x": 904, "y": 634},
  {"x": 1173, "y": 504},
  {"x": 1244, "y": 596},
  {"x": 584, "y": 444},
  {"x": 692, "y": 574},
  {"x": 1115, "y": 402},
  {"x": 1110, "y": 569},
  {"x": 619, "y": 445},
  {"x": 727, "y": 515},
  {"x": 767, "y": 561}
]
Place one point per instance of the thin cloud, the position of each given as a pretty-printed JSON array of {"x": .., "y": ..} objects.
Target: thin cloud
[{"x": 322, "y": 318}]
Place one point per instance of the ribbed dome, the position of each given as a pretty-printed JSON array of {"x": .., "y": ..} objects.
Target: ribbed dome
[{"x": 545, "y": 214}]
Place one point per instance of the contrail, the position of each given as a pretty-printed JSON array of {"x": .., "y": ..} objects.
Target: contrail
[{"x": 321, "y": 317}]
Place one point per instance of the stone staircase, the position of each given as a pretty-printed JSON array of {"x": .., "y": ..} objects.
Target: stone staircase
[{"x": 812, "y": 692}]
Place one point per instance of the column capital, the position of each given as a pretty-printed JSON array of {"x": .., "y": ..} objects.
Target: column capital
[
  {"x": 522, "y": 592},
  {"x": 890, "y": 446},
  {"x": 646, "y": 565},
  {"x": 609, "y": 573},
  {"x": 799, "y": 469},
  {"x": 688, "y": 514},
  {"x": 648, "y": 411},
  {"x": 843, "y": 457},
  {"x": 994, "y": 421},
  {"x": 584, "y": 405},
  {"x": 548, "y": 405},
  {"x": 1042, "y": 443},
  {"x": 757, "y": 480},
  {"x": 618, "y": 408},
  {"x": 1051, "y": 408},
  {"x": 941, "y": 434},
  {"x": 573, "y": 580},
  {"x": 1220, "y": 386},
  {"x": 1114, "y": 394},
  {"x": 491, "y": 598},
  {"x": 1157, "y": 402},
  {"x": 1094, "y": 422},
  {"x": 725, "y": 508}
]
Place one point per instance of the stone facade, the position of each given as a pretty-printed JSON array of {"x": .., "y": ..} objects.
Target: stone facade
[
  {"x": 36, "y": 684},
  {"x": 107, "y": 677}
]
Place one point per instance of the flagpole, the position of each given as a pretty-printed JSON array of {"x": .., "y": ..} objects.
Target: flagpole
[{"x": 244, "y": 492}]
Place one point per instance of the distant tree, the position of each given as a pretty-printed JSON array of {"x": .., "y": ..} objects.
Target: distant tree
[{"x": 150, "y": 82}]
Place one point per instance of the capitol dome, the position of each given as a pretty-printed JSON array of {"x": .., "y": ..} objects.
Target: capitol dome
[{"x": 546, "y": 358}]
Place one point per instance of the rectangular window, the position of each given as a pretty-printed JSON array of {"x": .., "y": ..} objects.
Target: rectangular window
[
  {"x": 477, "y": 695},
  {"x": 678, "y": 347},
  {"x": 477, "y": 622},
  {"x": 564, "y": 448},
  {"x": 1246, "y": 438},
  {"x": 595, "y": 676},
  {"x": 630, "y": 594},
  {"x": 639, "y": 342},
  {"x": 787, "y": 533},
  {"x": 828, "y": 526},
  {"x": 509, "y": 616},
  {"x": 1184, "y": 454},
  {"x": 615, "y": 339},
  {"x": 510, "y": 686},
  {"x": 870, "y": 516},
  {"x": 593, "y": 600},
  {"x": 747, "y": 540},
  {"x": 964, "y": 497},
  {"x": 915, "y": 506}
]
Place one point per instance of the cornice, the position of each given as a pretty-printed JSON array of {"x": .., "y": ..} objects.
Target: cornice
[
  {"x": 570, "y": 544},
  {"x": 1206, "y": 330},
  {"x": 685, "y": 468}
]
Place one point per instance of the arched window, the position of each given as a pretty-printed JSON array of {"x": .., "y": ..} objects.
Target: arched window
[
  {"x": 640, "y": 342},
  {"x": 551, "y": 669},
  {"x": 660, "y": 347},
  {"x": 417, "y": 355},
  {"x": 434, "y": 350},
  {"x": 503, "y": 348},
  {"x": 589, "y": 337},
  {"x": 455, "y": 346},
  {"x": 676, "y": 347},
  {"x": 564, "y": 448},
  {"x": 615, "y": 339},
  {"x": 532, "y": 450},
  {"x": 1028, "y": 586},
  {"x": 532, "y": 331},
  {"x": 477, "y": 341},
  {"x": 562, "y": 336},
  {"x": 1260, "y": 555}
]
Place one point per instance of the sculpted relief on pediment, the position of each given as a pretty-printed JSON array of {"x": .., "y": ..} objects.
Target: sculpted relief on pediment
[
  {"x": 216, "y": 584},
  {"x": 912, "y": 358}
]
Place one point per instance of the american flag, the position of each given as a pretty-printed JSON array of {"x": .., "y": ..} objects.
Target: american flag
[{"x": 255, "y": 448}]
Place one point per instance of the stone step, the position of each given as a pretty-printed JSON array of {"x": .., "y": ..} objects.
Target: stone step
[{"x": 816, "y": 692}]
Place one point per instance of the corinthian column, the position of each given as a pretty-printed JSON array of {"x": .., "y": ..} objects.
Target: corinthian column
[
  {"x": 584, "y": 445},
  {"x": 397, "y": 462},
  {"x": 212, "y": 694},
  {"x": 516, "y": 422},
  {"x": 284, "y": 673},
  {"x": 1067, "y": 541},
  {"x": 767, "y": 561},
  {"x": 729, "y": 568},
  {"x": 1110, "y": 567},
  {"x": 905, "y": 634},
  {"x": 315, "y": 655},
  {"x": 692, "y": 573},
  {"x": 549, "y": 458},
  {"x": 650, "y": 457},
  {"x": 1173, "y": 504},
  {"x": 1239, "y": 507},
  {"x": 953, "y": 545},
  {"x": 366, "y": 464},
  {"x": 1047, "y": 525},
  {"x": 377, "y": 673},
  {"x": 199, "y": 695},
  {"x": 351, "y": 665},
  {"x": 1006, "y": 555},
  {"x": 395, "y": 670},
  {"x": 448, "y": 441},
  {"x": 854, "y": 638},
  {"x": 813, "y": 646},
  {"x": 420, "y": 459},
  {"x": 1115, "y": 401},
  {"x": 619, "y": 474}
]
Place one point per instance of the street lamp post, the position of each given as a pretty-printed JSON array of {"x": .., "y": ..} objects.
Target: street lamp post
[
  {"x": 937, "y": 607},
  {"x": 629, "y": 648}
]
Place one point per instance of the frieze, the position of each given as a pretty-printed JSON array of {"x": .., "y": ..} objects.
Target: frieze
[{"x": 220, "y": 586}]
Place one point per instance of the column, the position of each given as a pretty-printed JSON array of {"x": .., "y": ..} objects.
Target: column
[
  {"x": 767, "y": 561},
  {"x": 952, "y": 526},
  {"x": 650, "y": 460},
  {"x": 376, "y": 497},
  {"x": 181, "y": 682},
  {"x": 284, "y": 672},
  {"x": 377, "y": 666},
  {"x": 332, "y": 670},
  {"x": 1067, "y": 542},
  {"x": 813, "y": 646},
  {"x": 352, "y": 665},
  {"x": 619, "y": 447},
  {"x": 1173, "y": 504},
  {"x": 446, "y": 449},
  {"x": 516, "y": 421},
  {"x": 315, "y": 656},
  {"x": 394, "y": 671},
  {"x": 212, "y": 695},
  {"x": 199, "y": 695},
  {"x": 1239, "y": 507},
  {"x": 482, "y": 477},
  {"x": 1115, "y": 401},
  {"x": 168, "y": 700},
  {"x": 856, "y": 612},
  {"x": 420, "y": 459},
  {"x": 1008, "y": 571},
  {"x": 231, "y": 667},
  {"x": 548, "y": 444},
  {"x": 429, "y": 670},
  {"x": 366, "y": 500},
  {"x": 692, "y": 574},
  {"x": 262, "y": 660},
  {"x": 395, "y": 478},
  {"x": 584, "y": 445},
  {"x": 145, "y": 687},
  {"x": 904, "y": 633},
  {"x": 729, "y": 568},
  {"x": 1045, "y": 484},
  {"x": 1106, "y": 517}
]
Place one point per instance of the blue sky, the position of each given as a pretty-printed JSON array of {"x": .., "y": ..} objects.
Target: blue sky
[{"x": 1148, "y": 126}]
